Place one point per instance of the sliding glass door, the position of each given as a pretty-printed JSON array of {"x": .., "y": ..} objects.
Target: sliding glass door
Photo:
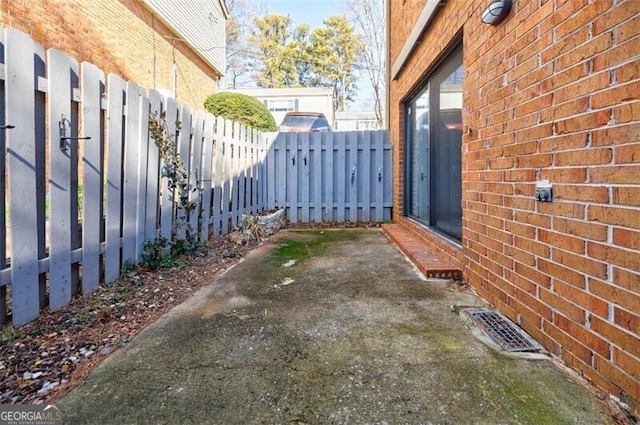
[{"x": 433, "y": 150}]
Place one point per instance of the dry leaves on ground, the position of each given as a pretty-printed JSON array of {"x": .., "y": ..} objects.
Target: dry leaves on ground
[{"x": 46, "y": 358}]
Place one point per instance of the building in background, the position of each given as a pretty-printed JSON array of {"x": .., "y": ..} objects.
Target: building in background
[
  {"x": 175, "y": 47},
  {"x": 279, "y": 101},
  {"x": 352, "y": 121},
  {"x": 481, "y": 115}
]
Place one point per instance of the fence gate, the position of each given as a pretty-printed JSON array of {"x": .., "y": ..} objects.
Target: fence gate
[{"x": 333, "y": 176}]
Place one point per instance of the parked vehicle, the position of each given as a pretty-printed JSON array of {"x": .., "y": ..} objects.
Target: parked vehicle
[{"x": 304, "y": 121}]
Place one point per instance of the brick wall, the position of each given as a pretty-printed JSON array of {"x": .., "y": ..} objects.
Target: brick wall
[
  {"x": 119, "y": 36},
  {"x": 553, "y": 92}
]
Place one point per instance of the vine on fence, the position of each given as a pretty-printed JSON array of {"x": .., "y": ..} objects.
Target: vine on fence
[{"x": 161, "y": 252}]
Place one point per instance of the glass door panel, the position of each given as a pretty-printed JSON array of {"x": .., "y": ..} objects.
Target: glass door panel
[
  {"x": 419, "y": 158},
  {"x": 433, "y": 147},
  {"x": 446, "y": 155}
]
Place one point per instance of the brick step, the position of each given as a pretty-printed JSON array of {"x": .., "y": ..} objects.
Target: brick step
[{"x": 420, "y": 254}]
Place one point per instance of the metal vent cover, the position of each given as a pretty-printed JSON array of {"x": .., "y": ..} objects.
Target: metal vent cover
[{"x": 503, "y": 331}]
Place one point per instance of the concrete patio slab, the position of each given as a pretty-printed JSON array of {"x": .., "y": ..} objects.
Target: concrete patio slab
[{"x": 323, "y": 327}]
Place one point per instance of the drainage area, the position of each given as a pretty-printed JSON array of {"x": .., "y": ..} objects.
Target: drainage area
[{"x": 503, "y": 331}]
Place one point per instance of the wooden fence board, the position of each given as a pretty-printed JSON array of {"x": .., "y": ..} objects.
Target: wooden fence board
[
  {"x": 317, "y": 173},
  {"x": 305, "y": 177},
  {"x": 378, "y": 145},
  {"x": 235, "y": 188},
  {"x": 329, "y": 173},
  {"x": 343, "y": 178},
  {"x": 270, "y": 164},
  {"x": 355, "y": 179},
  {"x": 292, "y": 144},
  {"x": 114, "y": 187},
  {"x": 195, "y": 171},
  {"x": 132, "y": 150},
  {"x": 256, "y": 181},
  {"x": 281, "y": 164},
  {"x": 218, "y": 178},
  {"x": 183, "y": 148},
  {"x": 143, "y": 149},
  {"x": 21, "y": 156},
  {"x": 226, "y": 176},
  {"x": 207, "y": 187},
  {"x": 242, "y": 171},
  {"x": 92, "y": 169},
  {"x": 364, "y": 183}
]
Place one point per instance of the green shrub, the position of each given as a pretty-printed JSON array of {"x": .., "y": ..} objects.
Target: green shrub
[{"x": 241, "y": 108}]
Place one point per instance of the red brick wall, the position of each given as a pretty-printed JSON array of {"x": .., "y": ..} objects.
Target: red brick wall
[
  {"x": 553, "y": 92},
  {"x": 119, "y": 36}
]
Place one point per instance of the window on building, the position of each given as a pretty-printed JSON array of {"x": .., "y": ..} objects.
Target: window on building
[
  {"x": 433, "y": 141},
  {"x": 281, "y": 105},
  {"x": 366, "y": 125}
]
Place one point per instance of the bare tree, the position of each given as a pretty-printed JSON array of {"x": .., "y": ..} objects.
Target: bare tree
[
  {"x": 368, "y": 18},
  {"x": 242, "y": 13}
]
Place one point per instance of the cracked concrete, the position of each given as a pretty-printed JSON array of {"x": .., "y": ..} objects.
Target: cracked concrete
[{"x": 355, "y": 336}]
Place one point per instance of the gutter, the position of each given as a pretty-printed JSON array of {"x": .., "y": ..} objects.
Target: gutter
[{"x": 427, "y": 15}]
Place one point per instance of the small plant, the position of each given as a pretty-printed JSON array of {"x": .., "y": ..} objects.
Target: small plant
[
  {"x": 9, "y": 335},
  {"x": 173, "y": 168},
  {"x": 152, "y": 256},
  {"x": 162, "y": 252},
  {"x": 128, "y": 267}
]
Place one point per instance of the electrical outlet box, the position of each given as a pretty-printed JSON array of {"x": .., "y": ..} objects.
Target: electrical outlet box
[{"x": 544, "y": 192}]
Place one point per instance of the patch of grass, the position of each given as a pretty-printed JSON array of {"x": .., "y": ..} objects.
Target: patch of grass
[{"x": 311, "y": 244}]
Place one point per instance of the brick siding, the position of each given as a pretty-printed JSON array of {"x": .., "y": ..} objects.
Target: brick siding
[
  {"x": 119, "y": 36},
  {"x": 553, "y": 92}
]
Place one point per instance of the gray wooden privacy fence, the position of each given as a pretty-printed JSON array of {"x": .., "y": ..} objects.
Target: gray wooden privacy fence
[
  {"x": 81, "y": 179},
  {"x": 335, "y": 176},
  {"x": 83, "y": 189}
]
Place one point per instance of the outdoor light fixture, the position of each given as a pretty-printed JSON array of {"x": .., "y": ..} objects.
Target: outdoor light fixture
[{"x": 496, "y": 12}]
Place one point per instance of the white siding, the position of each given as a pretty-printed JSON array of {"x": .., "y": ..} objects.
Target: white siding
[
  {"x": 304, "y": 99},
  {"x": 200, "y": 23},
  {"x": 349, "y": 121}
]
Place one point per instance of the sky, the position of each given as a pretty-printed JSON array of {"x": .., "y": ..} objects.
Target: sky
[{"x": 312, "y": 12}]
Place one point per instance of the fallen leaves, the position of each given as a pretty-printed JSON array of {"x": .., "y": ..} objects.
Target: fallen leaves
[{"x": 46, "y": 358}]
